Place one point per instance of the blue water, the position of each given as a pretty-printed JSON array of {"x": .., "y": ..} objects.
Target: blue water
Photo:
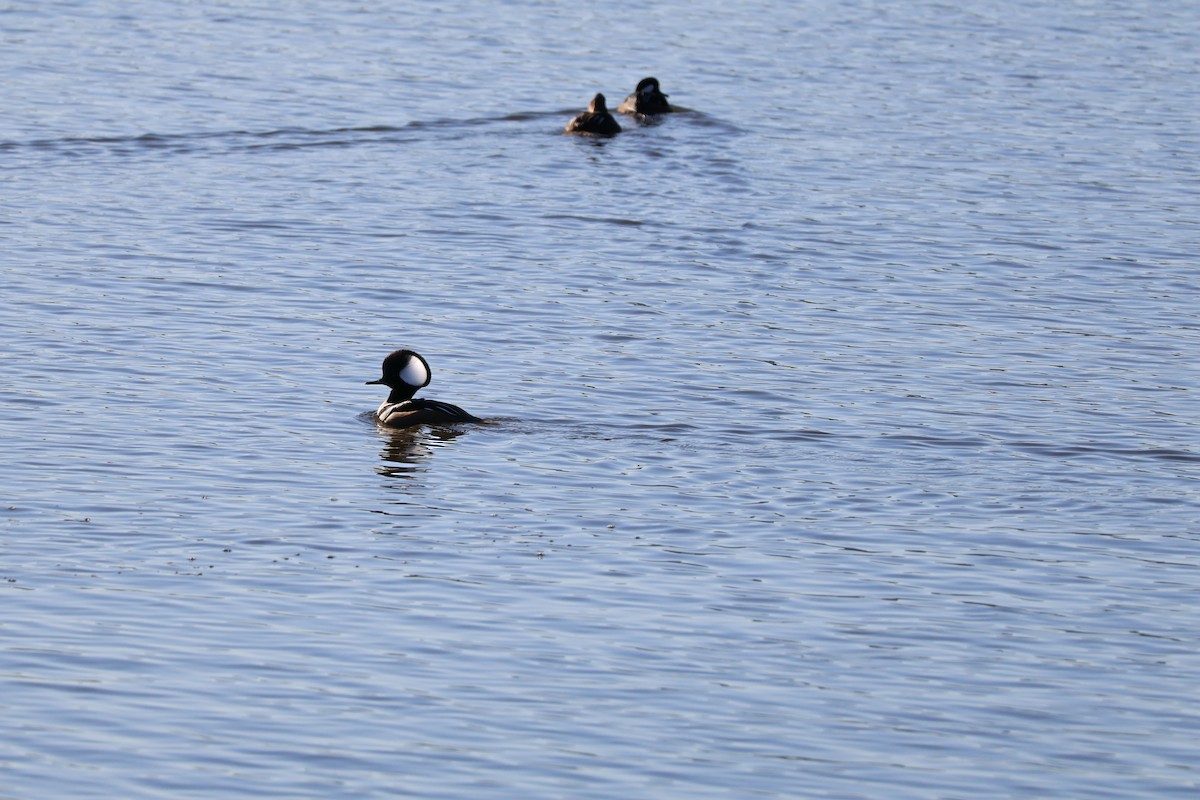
[{"x": 841, "y": 432}]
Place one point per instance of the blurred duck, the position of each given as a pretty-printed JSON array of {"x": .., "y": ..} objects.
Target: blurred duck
[
  {"x": 595, "y": 120},
  {"x": 648, "y": 98}
]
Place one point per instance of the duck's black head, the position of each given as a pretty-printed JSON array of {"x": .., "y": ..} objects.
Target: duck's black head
[
  {"x": 598, "y": 105},
  {"x": 404, "y": 372},
  {"x": 649, "y": 86}
]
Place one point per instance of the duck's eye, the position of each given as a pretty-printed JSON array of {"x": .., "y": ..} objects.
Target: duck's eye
[{"x": 415, "y": 373}]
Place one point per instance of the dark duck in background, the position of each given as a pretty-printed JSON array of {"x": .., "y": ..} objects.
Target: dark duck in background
[{"x": 647, "y": 99}]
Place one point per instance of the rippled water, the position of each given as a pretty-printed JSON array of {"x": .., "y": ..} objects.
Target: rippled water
[{"x": 841, "y": 432}]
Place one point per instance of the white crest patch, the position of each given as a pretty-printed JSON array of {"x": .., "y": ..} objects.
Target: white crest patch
[{"x": 415, "y": 373}]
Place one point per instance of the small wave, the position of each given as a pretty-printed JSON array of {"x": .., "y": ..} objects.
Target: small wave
[
  {"x": 1092, "y": 450},
  {"x": 938, "y": 441},
  {"x": 1051, "y": 449},
  {"x": 633, "y": 223}
]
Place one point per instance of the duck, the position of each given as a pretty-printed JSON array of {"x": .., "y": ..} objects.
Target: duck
[
  {"x": 647, "y": 98},
  {"x": 405, "y": 372},
  {"x": 596, "y": 120}
]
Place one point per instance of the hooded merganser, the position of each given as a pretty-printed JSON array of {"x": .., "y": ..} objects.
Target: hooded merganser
[
  {"x": 404, "y": 372},
  {"x": 595, "y": 120},
  {"x": 646, "y": 99}
]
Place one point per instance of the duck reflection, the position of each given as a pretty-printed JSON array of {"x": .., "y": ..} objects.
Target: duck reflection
[{"x": 404, "y": 449}]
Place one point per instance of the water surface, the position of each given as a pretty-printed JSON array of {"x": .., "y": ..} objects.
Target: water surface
[{"x": 841, "y": 433}]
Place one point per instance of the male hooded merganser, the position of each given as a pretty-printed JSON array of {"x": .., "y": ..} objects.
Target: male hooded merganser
[
  {"x": 646, "y": 99},
  {"x": 404, "y": 372},
  {"x": 595, "y": 120}
]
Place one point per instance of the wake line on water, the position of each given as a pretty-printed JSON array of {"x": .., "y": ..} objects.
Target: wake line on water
[
  {"x": 277, "y": 139},
  {"x": 199, "y": 142}
]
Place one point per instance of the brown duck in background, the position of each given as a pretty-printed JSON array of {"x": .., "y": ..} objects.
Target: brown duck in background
[{"x": 595, "y": 120}]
